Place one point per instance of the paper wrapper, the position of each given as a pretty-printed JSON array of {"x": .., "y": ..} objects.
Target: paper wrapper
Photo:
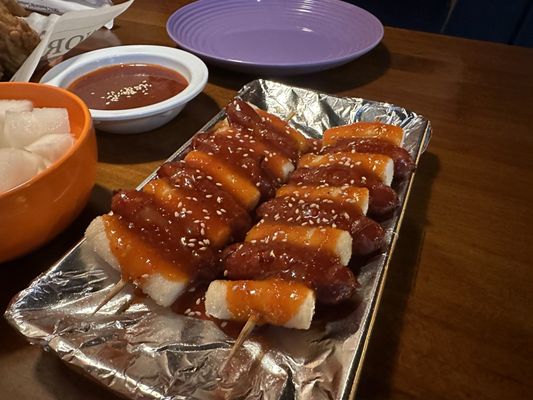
[
  {"x": 60, "y": 34},
  {"x": 63, "y": 6},
  {"x": 141, "y": 350}
]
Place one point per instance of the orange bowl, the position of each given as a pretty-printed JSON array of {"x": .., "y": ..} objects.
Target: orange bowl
[{"x": 34, "y": 212}]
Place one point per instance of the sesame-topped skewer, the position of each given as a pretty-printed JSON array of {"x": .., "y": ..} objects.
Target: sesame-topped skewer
[{"x": 164, "y": 238}]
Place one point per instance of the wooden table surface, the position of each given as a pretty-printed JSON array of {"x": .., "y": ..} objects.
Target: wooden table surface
[{"x": 456, "y": 319}]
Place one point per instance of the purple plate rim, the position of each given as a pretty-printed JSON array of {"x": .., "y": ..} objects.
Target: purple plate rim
[{"x": 279, "y": 66}]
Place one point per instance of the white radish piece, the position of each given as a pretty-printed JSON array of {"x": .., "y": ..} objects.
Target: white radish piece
[
  {"x": 51, "y": 146},
  {"x": 18, "y": 166},
  {"x": 11, "y": 105},
  {"x": 24, "y": 128}
]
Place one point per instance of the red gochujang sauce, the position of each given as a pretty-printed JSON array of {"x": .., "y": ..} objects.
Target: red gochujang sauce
[{"x": 125, "y": 86}]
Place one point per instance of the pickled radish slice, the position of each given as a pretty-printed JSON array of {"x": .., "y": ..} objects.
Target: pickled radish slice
[
  {"x": 24, "y": 128},
  {"x": 51, "y": 146},
  {"x": 18, "y": 166},
  {"x": 11, "y": 105}
]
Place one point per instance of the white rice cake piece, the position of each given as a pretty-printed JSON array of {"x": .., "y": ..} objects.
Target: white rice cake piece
[
  {"x": 162, "y": 290},
  {"x": 380, "y": 165},
  {"x": 275, "y": 302},
  {"x": 336, "y": 242}
]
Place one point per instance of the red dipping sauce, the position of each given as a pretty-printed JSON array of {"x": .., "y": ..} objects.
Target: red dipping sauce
[{"x": 126, "y": 86}]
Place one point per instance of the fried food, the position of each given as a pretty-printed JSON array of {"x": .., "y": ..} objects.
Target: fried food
[
  {"x": 14, "y": 8},
  {"x": 17, "y": 39}
]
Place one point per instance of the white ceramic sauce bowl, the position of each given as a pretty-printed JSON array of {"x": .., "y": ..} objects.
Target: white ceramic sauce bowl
[{"x": 141, "y": 119}]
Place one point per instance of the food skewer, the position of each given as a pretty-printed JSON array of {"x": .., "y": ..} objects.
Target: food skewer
[
  {"x": 304, "y": 190},
  {"x": 290, "y": 116},
  {"x": 251, "y": 322},
  {"x": 116, "y": 289},
  {"x": 316, "y": 181},
  {"x": 221, "y": 174},
  {"x": 256, "y": 302},
  {"x": 243, "y": 335}
]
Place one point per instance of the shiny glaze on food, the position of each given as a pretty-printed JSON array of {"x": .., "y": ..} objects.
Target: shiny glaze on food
[
  {"x": 305, "y": 236},
  {"x": 372, "y": 164},
  {"x": 135, "y": 255},
  {"x": 272, "y": 161},
  {"x": 391, "y": 133},
  {"x": 234, "y": 151},
  {"x": 355, "y": 196},
  {"x": 177, "y": 237},
  {"x": 293, "y": 248},
  {"x": 368, "y": 236},
  {"x": 382, "y": 200},
  {"x": 403, "y": 162},
  {"x": 126, "y": 86},
  {"x": 180, "y": 201},
  {"x": 230, "y": 178},
  {"x": 282, "y": 127},
  {"x": 182, "y": 175},
  {"x": 332, "y": 282},
  {"x": 275, "y": 301},
  {"x": 241, "y": 114}
]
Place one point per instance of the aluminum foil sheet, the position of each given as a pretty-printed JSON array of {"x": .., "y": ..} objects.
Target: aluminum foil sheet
[{"x": 142, "y": 351}]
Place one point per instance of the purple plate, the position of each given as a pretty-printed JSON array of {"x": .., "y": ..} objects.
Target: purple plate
[{"x": 275, "y": 37}]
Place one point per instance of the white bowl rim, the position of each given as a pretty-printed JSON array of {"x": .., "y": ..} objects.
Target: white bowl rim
[{"x": 199, "y": 76}]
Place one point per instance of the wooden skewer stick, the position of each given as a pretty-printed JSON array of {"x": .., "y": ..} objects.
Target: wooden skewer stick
[
  {"x": 243, "y": 335},
  {"x": 112, "y": 293},
  {"x": 252, "y": 320},
  {"x": 290, "y": 116}
]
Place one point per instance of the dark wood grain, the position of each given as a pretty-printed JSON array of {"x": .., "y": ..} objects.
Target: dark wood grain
[{"x": 455, "y": 321}]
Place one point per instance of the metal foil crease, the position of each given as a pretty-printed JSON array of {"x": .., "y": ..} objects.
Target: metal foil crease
[{"x": 141, "y": 350}]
